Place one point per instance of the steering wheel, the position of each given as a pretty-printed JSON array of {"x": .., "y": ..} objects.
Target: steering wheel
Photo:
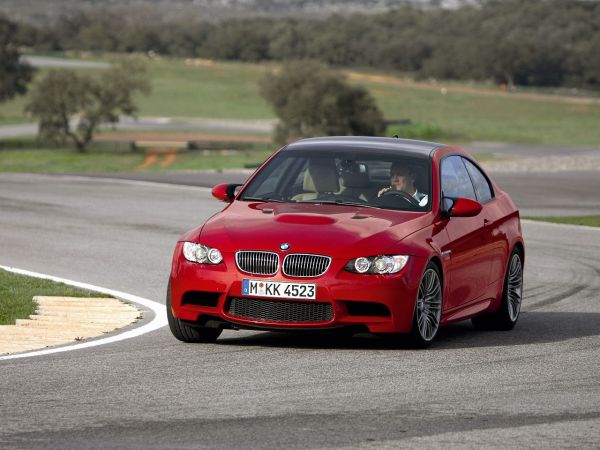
[{"x": 403, "y": 195}]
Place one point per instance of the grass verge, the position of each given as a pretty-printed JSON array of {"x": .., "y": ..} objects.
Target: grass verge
[
  {"x": 590, "y": 221},
  {"x": 17, "y": 292},
  {"x": 65, "y": 160}
]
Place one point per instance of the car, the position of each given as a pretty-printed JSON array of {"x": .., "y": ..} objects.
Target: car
[{"x": 387, "y": 236}]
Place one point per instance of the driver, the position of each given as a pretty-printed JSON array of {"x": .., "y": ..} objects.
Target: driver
[{"x": 402, "y": 178}]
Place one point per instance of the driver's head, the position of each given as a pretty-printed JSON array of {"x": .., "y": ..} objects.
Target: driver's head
[{"x": 402, "y": 178}]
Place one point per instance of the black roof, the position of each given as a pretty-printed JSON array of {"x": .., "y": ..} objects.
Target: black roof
[{"x": 406, "y": 146}]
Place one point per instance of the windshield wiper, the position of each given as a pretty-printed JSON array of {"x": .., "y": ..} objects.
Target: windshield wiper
[
  {"x": 263, "y": 199},
  {"x": 340, "y": 202}
]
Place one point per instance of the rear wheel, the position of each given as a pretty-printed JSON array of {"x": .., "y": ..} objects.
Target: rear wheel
[
  {"x": 188, "y": 333},
  {"x": 507, "y": 315},
  {"x": 428, "y": 308}
]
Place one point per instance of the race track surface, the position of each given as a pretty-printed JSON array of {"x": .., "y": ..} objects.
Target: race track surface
[{"x": 537, "y": 386}]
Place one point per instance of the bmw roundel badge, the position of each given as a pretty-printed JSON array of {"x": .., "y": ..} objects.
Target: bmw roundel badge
[{"x": 285, "y": 246}]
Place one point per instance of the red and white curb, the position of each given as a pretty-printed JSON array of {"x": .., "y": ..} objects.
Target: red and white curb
[{"x": 159, "y": 320}]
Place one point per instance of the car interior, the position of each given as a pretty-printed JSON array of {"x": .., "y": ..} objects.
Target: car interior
[{"x": 328, "y": 178}]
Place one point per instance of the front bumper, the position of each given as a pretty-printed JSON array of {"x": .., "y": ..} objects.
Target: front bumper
[{"x": 381, "y": 303}]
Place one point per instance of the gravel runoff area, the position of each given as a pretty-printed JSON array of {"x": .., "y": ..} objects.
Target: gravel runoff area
[
  {"x": 587, "y": 162},
  {"x": 519, "y": 158},
  {"x": 64, "y": 320}
]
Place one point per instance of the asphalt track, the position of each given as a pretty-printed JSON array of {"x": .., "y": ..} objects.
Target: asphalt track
[
  {"x": 536, "y": 386},
  {"x": 536, "y": 193}
]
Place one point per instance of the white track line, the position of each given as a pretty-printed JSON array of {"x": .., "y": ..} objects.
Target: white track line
[
  {"x": 166, "y": 185},
  {"x": 159, "y": 320}
]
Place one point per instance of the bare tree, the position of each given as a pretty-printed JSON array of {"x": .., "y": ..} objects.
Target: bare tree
[{"x": 71, "y": 105}]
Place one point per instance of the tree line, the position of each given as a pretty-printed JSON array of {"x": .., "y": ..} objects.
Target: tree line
[{"x": 538, "y": 42}]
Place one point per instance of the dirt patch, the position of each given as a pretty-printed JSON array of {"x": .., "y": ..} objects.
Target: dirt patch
[{"x": 444, "y": 89}]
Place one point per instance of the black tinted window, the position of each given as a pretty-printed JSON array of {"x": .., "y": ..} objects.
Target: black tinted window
[
  {"x": 455, "y": 179},
  {"x": 480, "y": 182}
]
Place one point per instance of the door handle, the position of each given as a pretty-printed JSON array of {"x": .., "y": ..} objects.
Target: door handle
[{"x": 486, "y": 222}]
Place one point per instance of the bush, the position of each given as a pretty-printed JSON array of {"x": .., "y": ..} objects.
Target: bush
[
  {"x": 311, "y": 100},
  {"x": 14, "y": 74}
]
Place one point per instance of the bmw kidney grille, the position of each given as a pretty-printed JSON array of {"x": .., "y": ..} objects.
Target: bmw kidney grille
[
  {"x": 299, "y": 265},
  {"x": 304, "y": 265},
  {"x": 258, "y": 263}
]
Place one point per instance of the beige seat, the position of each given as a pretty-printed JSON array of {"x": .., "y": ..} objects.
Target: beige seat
[
  {"x": 355, "y": 182},
  {"x": 320, "y": 179}
]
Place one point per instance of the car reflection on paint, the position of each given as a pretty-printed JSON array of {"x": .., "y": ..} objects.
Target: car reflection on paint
[{"x": 379, "y": 235}]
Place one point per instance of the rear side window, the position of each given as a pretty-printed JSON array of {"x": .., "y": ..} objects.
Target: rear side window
[
  {"x": 455, "y": 179},
  {"x": 480, "y": 182}
]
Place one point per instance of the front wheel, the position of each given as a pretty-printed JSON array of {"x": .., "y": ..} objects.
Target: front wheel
[
  {"x": 188, "y": 333},
  {"x": 428, "y": 308},
  {"x": 507, "y": 315}
]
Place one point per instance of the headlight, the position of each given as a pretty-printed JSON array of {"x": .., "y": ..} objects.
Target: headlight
[
  {"x": 377, "y": 264},
  {"x": 201, "y": 253}
]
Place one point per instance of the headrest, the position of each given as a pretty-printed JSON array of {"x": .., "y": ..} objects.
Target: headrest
[
  {"x": 321, "y": 176},
  {"x": 355, "y": 176}
]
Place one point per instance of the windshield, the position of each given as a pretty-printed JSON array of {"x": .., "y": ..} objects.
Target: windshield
[{"x": 362, "y": 178}]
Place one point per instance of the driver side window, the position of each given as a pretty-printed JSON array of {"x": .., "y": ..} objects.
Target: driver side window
[{"x": 455, "y": 179}]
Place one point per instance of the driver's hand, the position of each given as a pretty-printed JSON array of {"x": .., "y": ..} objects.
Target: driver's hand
[{"x": 383, "y": 191}]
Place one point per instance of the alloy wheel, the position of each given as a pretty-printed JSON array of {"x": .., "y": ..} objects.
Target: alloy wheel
[
  {"x": 429, "y": 304},
  {"x": 514, "y": 287}
]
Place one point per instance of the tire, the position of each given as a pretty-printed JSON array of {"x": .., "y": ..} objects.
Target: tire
[
  {"x": 428, "y": 308},
  {"x": 505, "y": 318},
  {"x": 189, "y": 333}
]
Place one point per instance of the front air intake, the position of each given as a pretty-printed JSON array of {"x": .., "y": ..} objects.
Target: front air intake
[{"x": 280, "y": 311}]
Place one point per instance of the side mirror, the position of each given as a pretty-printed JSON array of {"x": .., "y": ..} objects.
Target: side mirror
[
  {"x": 464, "y": 207},
  {"x": 225, "y": 192}
]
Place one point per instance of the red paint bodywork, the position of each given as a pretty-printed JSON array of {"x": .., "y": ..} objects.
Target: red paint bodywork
[
  {"x": 220, "y": 192},
  {"x": 471, "y": 252},
  {"x": 465, "y": 207}
]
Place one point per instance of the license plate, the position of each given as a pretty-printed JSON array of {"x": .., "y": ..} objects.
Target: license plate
[{"x": 262, "y": 288}]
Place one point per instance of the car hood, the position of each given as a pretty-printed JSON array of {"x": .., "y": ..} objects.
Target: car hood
[{"x": 334, "y": 230}]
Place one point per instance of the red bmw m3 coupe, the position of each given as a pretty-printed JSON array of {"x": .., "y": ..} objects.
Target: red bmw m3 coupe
[{"x": 381, "y": 235}]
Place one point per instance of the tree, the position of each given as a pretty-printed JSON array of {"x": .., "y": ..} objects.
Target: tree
[
  {"x": 14, "y": 74},
  {"x": 70, "y": 105},
  {"x": 311, "y": 100}
]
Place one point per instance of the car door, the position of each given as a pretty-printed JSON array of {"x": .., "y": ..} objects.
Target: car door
[
  {"x": 494, "y": 246},
  {"x": 466, "y": 269}
]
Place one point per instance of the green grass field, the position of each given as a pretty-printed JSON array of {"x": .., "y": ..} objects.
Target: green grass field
[
  {"x": 590, "y": 221},
  {"x": 12, "y": 112},
  {"x": 221, "y": 90},
  {"x": 17, "y": 292},
  {"x": 465, "y": 113},
  {"x": 468, "y": 117},
  {"x": 66, "y": 160}
]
